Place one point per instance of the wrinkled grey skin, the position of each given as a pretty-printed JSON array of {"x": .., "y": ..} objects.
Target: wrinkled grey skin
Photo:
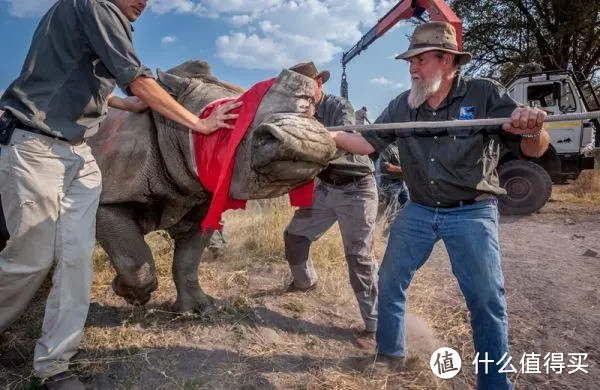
[{"x": 150, "y": 182}]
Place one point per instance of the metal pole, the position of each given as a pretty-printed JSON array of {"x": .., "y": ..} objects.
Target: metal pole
[{"x": 470, "y": 123}]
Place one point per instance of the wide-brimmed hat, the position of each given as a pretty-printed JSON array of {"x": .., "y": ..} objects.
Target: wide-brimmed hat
[
  {"x": 434, "y": 36},
  {"x": 310, "y": 70}
]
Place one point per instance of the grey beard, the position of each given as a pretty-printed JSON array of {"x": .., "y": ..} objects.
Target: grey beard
[{"x": 420, "y": 93}]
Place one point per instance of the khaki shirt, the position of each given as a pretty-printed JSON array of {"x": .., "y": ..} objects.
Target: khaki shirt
[
  {"x": 444, "y": 166},
  {"x": 80, "y": 50},
  {"x": 336, "y": 111}
]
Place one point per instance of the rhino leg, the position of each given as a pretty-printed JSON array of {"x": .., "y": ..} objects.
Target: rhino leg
[
  {"x": 123, "y": 241},
  {"x": 189, "y": 245}
]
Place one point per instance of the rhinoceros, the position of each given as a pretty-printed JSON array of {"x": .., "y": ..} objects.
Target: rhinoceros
[{"x": 150, "y": 180}]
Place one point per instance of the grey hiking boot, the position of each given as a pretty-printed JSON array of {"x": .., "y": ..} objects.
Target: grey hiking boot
[{"x": 64, "y": 381}]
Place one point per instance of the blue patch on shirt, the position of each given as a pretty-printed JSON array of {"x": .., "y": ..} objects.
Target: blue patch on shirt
[{"x": 467, "y": 112}]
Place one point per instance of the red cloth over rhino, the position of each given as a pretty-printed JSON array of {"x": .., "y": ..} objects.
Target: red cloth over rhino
[{"x": 215, "y": 153}]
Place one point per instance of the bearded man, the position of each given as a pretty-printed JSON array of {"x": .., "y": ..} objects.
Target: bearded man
[{"x": 453, "y": 184}]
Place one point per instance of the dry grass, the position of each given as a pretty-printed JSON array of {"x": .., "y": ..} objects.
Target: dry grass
[
  {"x": 586, "y": 189},
  {"x": 257, "y": 338}
]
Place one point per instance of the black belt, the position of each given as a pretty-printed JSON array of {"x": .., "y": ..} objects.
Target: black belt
[
  {"x": 342, "y": 181},
  {"x": 30, "y": 129},
  {"x": 461, "y": 203}
]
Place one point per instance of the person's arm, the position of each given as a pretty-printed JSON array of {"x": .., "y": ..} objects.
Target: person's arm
[
  {"x": 367, "y": 120},
  {"x": 377, "y": 141},
  {"x": 525, "y": 133},
  {"x": 352, "y": 142},
  {"x": 159, "y": 100},
  {"x": 391, "y": 168},
  {"x": 390, "y": 161},
  {"x": 108, "y": 33},
  {"x": 537, "y": 146},
  {"x": 528, "y": 122},
  {"x": 131, "y": 104}
]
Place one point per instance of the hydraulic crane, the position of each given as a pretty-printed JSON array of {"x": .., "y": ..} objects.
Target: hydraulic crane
[{"x": 437, "y": 10}]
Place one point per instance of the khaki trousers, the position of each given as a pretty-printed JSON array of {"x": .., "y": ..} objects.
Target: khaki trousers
[
  {"x": 354, "y": 207},
  {"x": 50, "y": 192}
]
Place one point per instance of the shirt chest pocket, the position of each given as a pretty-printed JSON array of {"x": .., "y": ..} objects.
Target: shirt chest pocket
[{"x": 463, "y": 152}]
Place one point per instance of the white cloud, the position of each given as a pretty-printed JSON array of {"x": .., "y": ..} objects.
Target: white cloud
[
  {"x": 25, "y": 8},
  {"x": 254, "y": 52},
  {"x": 240, "y": 20},
  {"x": 240, "y": 6},
  {"x": 381, "y": 81},
  {"x": 385, "y": 82},
  {"x": 179, "y": 6},
  {"x": 267, "y": 27},
  {"x": 168, "y": 39},
  {"x": 271, "y": 34}
]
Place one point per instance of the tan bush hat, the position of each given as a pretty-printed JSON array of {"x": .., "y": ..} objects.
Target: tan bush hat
[
  {"x": 309, "y": 69},
  {"x": 434, "y": 36}
]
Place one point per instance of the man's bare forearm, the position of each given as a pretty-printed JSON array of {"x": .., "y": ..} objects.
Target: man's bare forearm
[
  {"x": 131, "y": 104},
  {"x": 148, "y": 90},
  {"x": 536, "y": 147},
  {"x": 352, "y": 142}
]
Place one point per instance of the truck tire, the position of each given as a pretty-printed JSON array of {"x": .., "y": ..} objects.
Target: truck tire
[{"x": 528, "y": 185}]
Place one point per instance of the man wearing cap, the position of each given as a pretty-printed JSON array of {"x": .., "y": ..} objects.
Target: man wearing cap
[
  {"x": 347, "y": 194},
  {"x": 453, "y": 184},
  {"x": 361, "y": 116},
  {"x": 49, "y": 181}
]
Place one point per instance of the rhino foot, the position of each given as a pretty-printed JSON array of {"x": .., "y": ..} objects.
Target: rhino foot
[
  {"x": 195, "y": 301},
  {"x": 134, "y": 295}
]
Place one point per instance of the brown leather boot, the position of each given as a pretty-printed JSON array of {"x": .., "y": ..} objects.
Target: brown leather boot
[{"x": 383, "y": 365}]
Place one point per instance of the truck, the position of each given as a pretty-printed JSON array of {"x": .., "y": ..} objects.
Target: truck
[{"x": 528, "y": 181}]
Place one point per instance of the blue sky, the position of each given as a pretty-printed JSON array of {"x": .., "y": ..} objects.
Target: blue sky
[{"x": 246, "y": 41}]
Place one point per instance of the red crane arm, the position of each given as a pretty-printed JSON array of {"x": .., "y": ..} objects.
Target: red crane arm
[{"x": 437, "y": 10}]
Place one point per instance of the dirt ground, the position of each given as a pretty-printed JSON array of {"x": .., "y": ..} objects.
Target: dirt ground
[
  {"x": 262, "y": 338},
  {"x": 551, "y": 266}
]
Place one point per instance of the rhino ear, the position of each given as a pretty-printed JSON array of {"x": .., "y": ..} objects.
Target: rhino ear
[{"x": 175, "y": 85}]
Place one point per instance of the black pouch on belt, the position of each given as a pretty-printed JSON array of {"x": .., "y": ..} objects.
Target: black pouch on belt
[{"x": 7, "y": 127}]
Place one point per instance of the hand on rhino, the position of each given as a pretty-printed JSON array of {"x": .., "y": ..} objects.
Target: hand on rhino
[{"x": 218, "y": 119}]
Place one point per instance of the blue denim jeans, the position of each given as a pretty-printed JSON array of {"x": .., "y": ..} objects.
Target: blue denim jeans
[{"x": 470, "y": 234}]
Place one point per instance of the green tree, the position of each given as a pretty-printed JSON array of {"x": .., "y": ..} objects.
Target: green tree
[{"x": 504, "y": 35}]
